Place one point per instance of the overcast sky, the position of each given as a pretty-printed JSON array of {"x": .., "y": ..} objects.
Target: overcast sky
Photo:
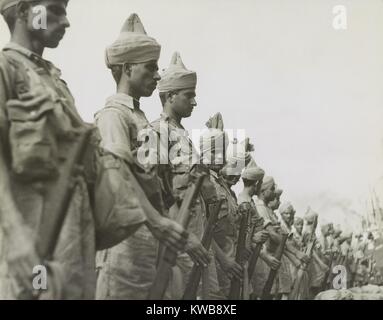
[{"x": 309, "y": 96}]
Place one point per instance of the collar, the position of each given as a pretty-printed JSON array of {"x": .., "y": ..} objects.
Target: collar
[
  {"x": 214, "y": 174},
  {"x": 167, "y": 118},
  {"x": 34, "y": 57},
  {"x": 244, "y": 197},
  {"x": 260, "y": 202},
  {"x": 123, "y": 100}
]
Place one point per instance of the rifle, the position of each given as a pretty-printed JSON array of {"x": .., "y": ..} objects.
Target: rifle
[
  {"x": 169, "y": 257},
  {"x": 329, "y": 271},
  {"x": 59, "y": 195},
  {"x": 254, "y": 259},
  {"x": 235, "y": 288},
  {"x": 266, "y": 294},
  {"x": 354, "y": 271},
  {"x": 196, "y": 272},
  {"x": 302, "y": 271}
]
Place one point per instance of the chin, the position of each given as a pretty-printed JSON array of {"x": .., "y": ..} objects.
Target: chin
[
  {"x": 147, "y": 93},
  {"x": 52, "y": 44}
]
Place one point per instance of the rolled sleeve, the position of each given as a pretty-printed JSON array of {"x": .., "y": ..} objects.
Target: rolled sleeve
[
  {"x": 117, "y": 208},
  {"x": 115, "y": 134}
]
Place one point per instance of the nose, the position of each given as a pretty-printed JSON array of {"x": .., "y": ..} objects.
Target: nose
[
  {"x": 65, "y": 23},
  {"x": 157, "y": 76},
  {"x": 193, "y": 102}
]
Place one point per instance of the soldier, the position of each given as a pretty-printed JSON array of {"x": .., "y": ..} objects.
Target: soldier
[
  {"x": 252, "y": 180},
  {"x": 38, "y": 126},
  {"x": 213, "y": 145},
  {"x": 325, "y": 251},
  {"x": 317, "y": 269},
  {"x": 128, "y": 269},
  {"x": 177, "y": 89},
  {"x": 347, "y": 258},
  {"x": 252, "y": 176},
  {"x": 287, "y": 213},
  {"x": 266, "y": 194},
  {"x": 297, "y": 230}
]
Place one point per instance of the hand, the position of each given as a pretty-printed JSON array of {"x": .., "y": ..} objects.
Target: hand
[
  {"x": 273, "y": 263},
  {"x": 22, "y": 258},
  {"x": 196, "y": 251},
  {"x": 170, "y": 233},
  {"x": 232, "y": 269},
  {"x": 304, "y": 258},
  {"x": 261, "y": 237}
]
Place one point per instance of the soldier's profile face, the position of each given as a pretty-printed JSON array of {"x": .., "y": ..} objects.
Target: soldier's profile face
[
  {"x": 56, "y": 22},
  {"x": 184, "y": 102},
  {"x": 299, "y": 226},
  {"x": 143, "y": 78},
  {"x": 232, "y": 180}
]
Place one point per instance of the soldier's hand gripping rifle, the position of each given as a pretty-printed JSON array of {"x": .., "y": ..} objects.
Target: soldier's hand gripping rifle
[
  {"x": 169, "y": 257},
  {"x": 266, "y": 294},
  {"x": 196, "y": 272}
]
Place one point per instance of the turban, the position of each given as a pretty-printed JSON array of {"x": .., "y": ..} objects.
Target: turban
[
  {"x": 337, "y": 232},
  {"x": 326, "y": 227},
  {"x": 286, "y": 207},
  {"x": 231, "y": 169},
  {"x": 311, "y": 215},
  {"x": 267, "y": 183},
  {"x": 177, "y": 77},
  {"x": 133, "y": 45},
  {"x": 278, "y": 193},
  {"x": 213, "y": 141},
  {"x": 253, "y": 173},
  {"x": 240, "y": 151},
  {"x": 298, "y": 220},
  {"x": 6, "y": 4},
  {"x": 346, "y": 235}
]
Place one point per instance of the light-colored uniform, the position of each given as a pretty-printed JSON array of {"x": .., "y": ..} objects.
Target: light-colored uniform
[
  {"x": 31, "y": 128},
  {"x": 127, "y": 270}
]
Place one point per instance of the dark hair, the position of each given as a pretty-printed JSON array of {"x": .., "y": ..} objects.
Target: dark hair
[
  {"x": 116, "y": 72},
  {"x": 10, "y": 17},
  {"x": 248, "y": 183},
  {"x": 163, "y": 98},
  {"x": 165, "y": 95}
]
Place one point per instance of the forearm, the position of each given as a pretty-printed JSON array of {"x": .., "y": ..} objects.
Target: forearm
[{"x": 10, "y": 218}]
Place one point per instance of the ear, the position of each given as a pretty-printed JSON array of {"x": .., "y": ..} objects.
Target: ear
[
  {"x": 22, "y": 10},
  {"x": 171, "y": 96},
  {"x": 127, "y": 68}
]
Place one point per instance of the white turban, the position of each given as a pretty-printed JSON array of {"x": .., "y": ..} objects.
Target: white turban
[
  {"x": 177, "y": 77},
  {"x": 253, "y": 174},
  {"x": 267, "y": 183},
  {"x": 133, "y": 45},
  {"x": 286, "y": 207}
]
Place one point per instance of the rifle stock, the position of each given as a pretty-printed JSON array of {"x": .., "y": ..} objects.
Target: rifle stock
[
  {"x": 235, "y": 287},
  {"x": 254, "y": 259},
  {"x": 169, "y": 257},
  {"x": 59, "y": 194},
  {"x": 196, "y": 272},
  {"x": 266, "y": 294}
]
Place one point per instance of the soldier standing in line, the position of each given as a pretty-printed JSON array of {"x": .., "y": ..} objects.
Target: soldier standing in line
[
  {"x": 179, "y": 158},
  {"x": 128, "y": 269},
  {"x": 39, "y": 124}
]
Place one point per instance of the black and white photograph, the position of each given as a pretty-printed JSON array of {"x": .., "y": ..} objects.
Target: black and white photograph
[{"x": 205, "y": 150}]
